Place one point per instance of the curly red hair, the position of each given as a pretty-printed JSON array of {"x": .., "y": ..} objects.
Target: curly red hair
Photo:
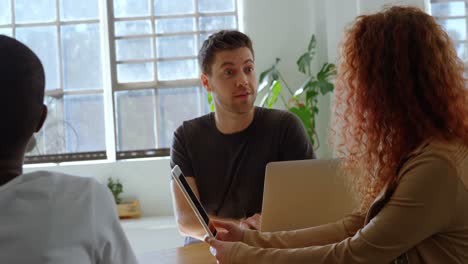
[{"x": 400, "y": 83}]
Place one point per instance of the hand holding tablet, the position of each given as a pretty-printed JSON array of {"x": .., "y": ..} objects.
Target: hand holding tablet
[{"x": 193, "y": 201}]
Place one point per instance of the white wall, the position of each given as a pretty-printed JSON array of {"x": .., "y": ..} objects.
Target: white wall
[
  {"x": 278, "y": 28},
  {"x": 281, "y": 29},
  {"x": 145, "y": 179},
  {"x": 370, "y": 6},
  {"x": 331, "y": 18}
]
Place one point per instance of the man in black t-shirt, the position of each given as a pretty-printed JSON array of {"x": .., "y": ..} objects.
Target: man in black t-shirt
[{"x": 224, "y": 154}]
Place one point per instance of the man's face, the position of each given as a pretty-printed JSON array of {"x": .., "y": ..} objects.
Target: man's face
[{"x": 232, "y": 81}]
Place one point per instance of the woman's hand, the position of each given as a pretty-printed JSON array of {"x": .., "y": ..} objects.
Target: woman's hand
[
  {"x": 228, "y": 234},
  {"x": 220, "y": 249},
  {"x": 228, "y": 231}
]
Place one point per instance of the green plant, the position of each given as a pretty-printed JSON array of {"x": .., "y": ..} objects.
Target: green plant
[
  {"x": 116, "y": 188},
  {"x": 304, "y": 101}
]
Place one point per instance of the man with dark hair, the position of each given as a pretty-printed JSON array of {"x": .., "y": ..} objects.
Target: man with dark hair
[
  {"x": 224, "y": 154},
  {"x": 46, "y": 217}
]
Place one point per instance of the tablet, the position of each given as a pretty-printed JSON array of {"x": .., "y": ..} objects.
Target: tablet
[{"x": 192, "y": 199}]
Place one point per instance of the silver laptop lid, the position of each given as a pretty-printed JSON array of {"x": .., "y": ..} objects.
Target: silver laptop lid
[{"x": 305, "y": 193}]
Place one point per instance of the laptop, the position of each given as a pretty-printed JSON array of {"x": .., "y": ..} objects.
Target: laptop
[{"x": 304, "y": 193}]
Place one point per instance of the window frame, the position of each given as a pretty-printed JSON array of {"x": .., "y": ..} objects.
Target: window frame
[
  {"x": 447, "y": 17},
  {"x": 154, "y": 85},
  {"x": 110, "y": 84}
]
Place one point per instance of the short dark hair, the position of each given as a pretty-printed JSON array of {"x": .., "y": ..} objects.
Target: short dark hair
[
  {"x": 221, "y": 41},
  {"x": 22, "y": 84}
]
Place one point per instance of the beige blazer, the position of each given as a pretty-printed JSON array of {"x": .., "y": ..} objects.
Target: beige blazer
[{"x": 422, "y": 219}]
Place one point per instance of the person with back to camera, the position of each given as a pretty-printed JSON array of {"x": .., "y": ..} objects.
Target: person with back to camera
[
  {"x": 224, "y": 154},
  {"x": 46, "y": 217},
  {"x": 401, "y": 118}
]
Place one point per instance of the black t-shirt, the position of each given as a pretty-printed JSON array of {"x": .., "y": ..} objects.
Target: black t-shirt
[{"x": 229, "y": 169}]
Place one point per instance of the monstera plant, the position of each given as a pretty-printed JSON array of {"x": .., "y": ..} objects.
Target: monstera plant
[{"x": 304, "y": 99}]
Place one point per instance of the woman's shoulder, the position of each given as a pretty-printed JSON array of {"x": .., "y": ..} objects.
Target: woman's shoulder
[
  {"x": 452, "y": 151},
  {"x": 436, "y": 156}
]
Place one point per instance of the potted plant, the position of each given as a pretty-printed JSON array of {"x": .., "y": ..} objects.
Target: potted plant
[
  {"x": 304, "y": 100},
  {"x": 125, "y": 209}
]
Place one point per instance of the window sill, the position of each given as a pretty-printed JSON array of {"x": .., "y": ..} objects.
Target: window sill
[
  {"x": 88, "y": 162},
  {"x": 150, "y": 234}
]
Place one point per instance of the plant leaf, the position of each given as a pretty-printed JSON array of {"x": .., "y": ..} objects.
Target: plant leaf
[
  {"x": 275, "y": 91},
  {"x": 312, "y": 43},
  {"x": 267, "y": 76},
  {"x": 327, "y": 70},
  {"x": 275, "y": 71},
  {"x": 262, "y": 86},
  {"x": 264, "y": 99},
  {"x": 311, "y": 94},
  {"x": 325, "y": 86},
  {"x": 303, "y": 62},
  {"x": 210, "y": 98},
  {"x": 298, "y": 92},
  {"x": 275, "y": 74},
  {"x": 305, "y": 116},
  {"x": 263, "y": 79},
  {"x": 264, "y": 74},
  {"x": 210, "y": 101},
  {"x": 303, "y": 87}
]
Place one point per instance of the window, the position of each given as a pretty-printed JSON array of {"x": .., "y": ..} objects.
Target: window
[
  {"x": 452, "y": 16},
  {"x": 121, "y": 75}
]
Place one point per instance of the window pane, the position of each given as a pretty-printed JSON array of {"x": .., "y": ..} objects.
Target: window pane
[
  {"x": 51, "y": 138},
  {"x": 171, "y": 7},
  {"x": 81, "y": 49},
  {"x": 131, "y": 8},
  {"x": 79, "y": 10},
  {"x": 134, "y": 49},
  {"x": 84, "y": 127},
  {"x": 209, "y": 6},
  {"x": 135, "y": 117},
  {"x": 456, "y": 28},
  {"x": 177, "y": 70},
  {"x": 174, "y": 25},
  {"x": 43, "y": 41},
  {"x": 27, "y": 11},
  {"x": 217, "y": 23},
  {"x": 5, "y": 12},
  {"x": 202, "y": 38},
  {"x": 206, "y": 108},
  {"x": 462, "y": 51},
  {"x": 448, "y": 9},
  {"x": 6, "y": 31},
  {"x": 176, "y": 46},
  {"x": 127, "y": 28},
  {"x": 135, "y": 72},
  {"x": 81, "y": 129},
  {"x": 170, "y": 116}
]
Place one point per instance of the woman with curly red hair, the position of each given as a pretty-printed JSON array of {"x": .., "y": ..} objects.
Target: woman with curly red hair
[{"x": 401, "y": 120}]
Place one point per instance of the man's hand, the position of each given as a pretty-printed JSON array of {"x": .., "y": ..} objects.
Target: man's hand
[{"x": 252, "y": 222}]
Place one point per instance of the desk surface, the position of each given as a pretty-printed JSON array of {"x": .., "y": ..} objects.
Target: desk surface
[{"x": 193, "y": 254}]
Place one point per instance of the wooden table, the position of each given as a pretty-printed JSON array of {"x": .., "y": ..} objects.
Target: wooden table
[{"x": 194, "y": 254}]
